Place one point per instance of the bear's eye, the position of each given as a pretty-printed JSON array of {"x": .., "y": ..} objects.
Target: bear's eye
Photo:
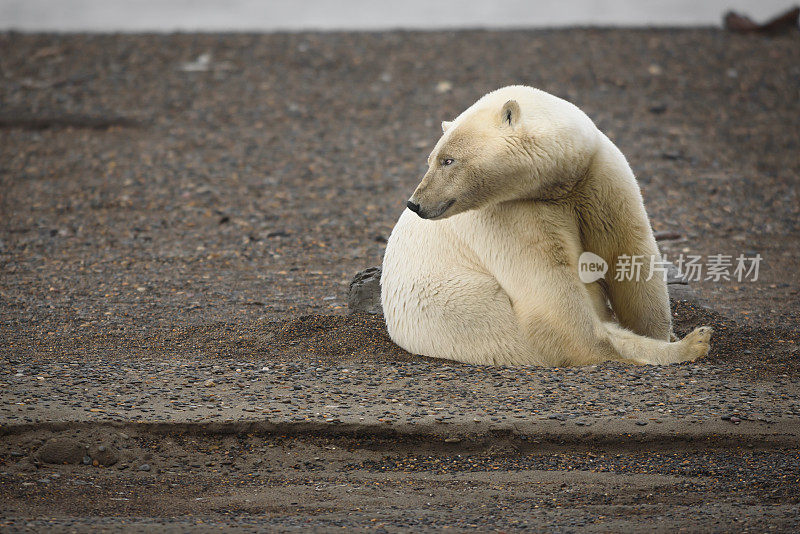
[{"x": 447, "y": 161}]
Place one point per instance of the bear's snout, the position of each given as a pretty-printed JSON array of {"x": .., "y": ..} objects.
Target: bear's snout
[
  {"x": 426, "y": 200},
  {"x": 435, "y": 212},
  {"x": 413, "y": 206}
]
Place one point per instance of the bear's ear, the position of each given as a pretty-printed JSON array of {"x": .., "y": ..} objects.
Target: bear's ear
[
  {"x": 446, "y": 125},
  {"x": 510, "y": 114}
]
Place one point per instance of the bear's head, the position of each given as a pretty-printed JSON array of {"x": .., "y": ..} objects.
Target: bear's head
[{"x": 514, "y": 143}]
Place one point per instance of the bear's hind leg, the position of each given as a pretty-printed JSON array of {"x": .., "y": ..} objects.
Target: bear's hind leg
[{"x": 645, "y": 350}]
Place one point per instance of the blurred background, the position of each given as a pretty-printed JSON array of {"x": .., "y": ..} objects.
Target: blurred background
[{"x": 275, "y": 15}]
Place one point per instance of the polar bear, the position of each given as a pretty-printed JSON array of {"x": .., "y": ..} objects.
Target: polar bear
[{"x": 483, "y": 265}]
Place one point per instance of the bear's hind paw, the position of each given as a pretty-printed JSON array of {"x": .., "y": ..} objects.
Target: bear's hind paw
[{"x": 697, "y": 344}]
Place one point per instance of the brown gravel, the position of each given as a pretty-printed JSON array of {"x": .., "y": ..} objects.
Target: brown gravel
[
  {"x": 216, "y": 218},
  {"x": 252, "y": 192}
]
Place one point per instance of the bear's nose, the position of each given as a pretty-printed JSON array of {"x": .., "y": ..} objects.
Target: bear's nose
[{"x": 413, "y": 206}]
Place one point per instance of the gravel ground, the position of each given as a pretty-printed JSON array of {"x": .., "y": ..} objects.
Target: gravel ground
[
  {"x": 246, "y": 482},
  {"x": 177, "y": 238},
  {"x": 405, "y": 393}
]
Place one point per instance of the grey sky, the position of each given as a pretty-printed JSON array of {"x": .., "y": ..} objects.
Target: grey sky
[{"x": 271, "y": 15}]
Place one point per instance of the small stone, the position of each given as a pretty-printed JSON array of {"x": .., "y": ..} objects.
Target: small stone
[
  {"x": 641, "y": 423},
  {"x": 144, "y": 467},
  {"x": 209, "y": 383},
  {"x": 444, "y": 86}
]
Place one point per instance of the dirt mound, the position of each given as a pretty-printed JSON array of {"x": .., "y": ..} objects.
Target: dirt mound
[{"x": 768, "y": 350}]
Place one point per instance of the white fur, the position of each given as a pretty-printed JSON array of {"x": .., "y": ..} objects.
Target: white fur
[{"x": 519, "y": 185}]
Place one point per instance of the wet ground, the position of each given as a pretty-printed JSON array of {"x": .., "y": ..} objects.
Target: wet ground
[{"x": 177, "y": 237}]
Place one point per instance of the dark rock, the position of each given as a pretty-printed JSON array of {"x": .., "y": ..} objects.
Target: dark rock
[
  {"x": 681, "y": 292},
  {"x": 364, "y": 295},
  {"x": 61, "y": 451},
  {"x": 784, "y": 22},
  {"x": 674, "y": 276}
]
